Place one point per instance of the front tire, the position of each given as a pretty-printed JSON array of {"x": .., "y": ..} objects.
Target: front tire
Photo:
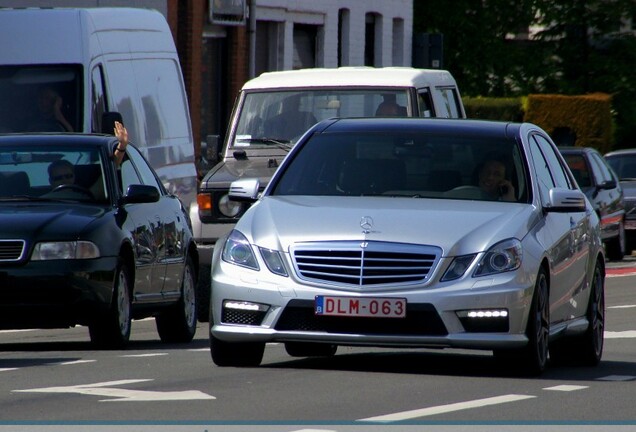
[
  {"x": 240, "y": 354},
  {"x": 533, "y": 358},
  {"x": 112, "y": 330},
  {"x": 179, "y": 323}
]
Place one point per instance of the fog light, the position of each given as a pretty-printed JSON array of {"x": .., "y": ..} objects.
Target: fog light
[{"x": 484, "y": 320}]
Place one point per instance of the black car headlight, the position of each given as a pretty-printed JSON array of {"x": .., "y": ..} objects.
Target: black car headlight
[
  {"x": 65, "y": 250},
  {"x": 503, "y": 257}
]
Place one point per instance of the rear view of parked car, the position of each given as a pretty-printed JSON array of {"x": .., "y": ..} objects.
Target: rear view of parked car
[
  {"x": 86, "y": 242},
  {"x": 601, "y": 186},
  {"x": 623, "y": 162},
  {"x": 413, "y": 232}
]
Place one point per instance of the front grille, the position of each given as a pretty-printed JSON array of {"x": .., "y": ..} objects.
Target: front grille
[
  {"x": 421, "y": 320},
  {"x": 364, "y": 263},
  {"x": 11, "y": 250}
]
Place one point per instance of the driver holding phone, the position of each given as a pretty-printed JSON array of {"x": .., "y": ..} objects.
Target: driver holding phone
[{"x": 492, "y": 180}]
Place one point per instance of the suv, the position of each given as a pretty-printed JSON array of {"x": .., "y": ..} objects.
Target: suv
[
  {"x": 601, "y": 186},
  {"x": 273, "y": 111}
]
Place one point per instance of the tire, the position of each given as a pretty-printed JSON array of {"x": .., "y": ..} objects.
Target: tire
[
  {"x": 532, "y": 359},
  {"x": 586, "y": 349},
  {"x": 241, "y": 354},
  {"x": 179, "y": 323},
  {"x": 112, "y": 330},
  {"x": 309, "y": 349},
  {"x": 616, "y": 247}
]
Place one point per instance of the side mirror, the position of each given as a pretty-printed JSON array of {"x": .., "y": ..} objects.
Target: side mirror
[
  {"x": 563, "y": 200},
  {"x": 108, "y": 121},
  {"x": 245, "y": 190},
  {"x": 138, "y": 194},
  {"x": 609, "y": 184}
]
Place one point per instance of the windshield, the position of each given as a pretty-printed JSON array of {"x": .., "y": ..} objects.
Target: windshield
[
  {"x": 281, "y": 117},
  {"x": 408, "y": 164},
  {"x": 43, "y": 173},
  {"x": 40, "y": 99},
  {"x": 624, "y": 165}
]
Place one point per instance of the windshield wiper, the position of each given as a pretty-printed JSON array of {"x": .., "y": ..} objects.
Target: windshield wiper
[{"x": 280, "y": 143}]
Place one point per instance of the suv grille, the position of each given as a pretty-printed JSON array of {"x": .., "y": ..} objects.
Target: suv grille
[
  {"x": 11, "y": 250},
  {"x": 364, "y": 263}
]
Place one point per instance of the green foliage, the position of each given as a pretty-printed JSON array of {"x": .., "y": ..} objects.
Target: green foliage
[
  {"x": 578, "y": 51},
  {"x": 485, "y": 108}
]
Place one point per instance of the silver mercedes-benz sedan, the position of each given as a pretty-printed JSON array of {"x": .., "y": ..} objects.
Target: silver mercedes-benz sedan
[{"x": 413, "y": 233}]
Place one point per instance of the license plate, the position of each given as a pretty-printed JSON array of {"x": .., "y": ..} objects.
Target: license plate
[{"x": 379, "y": 307}]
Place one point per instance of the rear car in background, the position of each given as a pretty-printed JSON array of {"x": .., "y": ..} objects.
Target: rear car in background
[
  {"x": 394, "y": 233},
  {"x": 601, "y": 186},
  {"x": 623, "y": 162},
  {"x": 90, "y": 243}
]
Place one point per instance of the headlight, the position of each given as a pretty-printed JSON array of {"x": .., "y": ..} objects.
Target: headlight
[
  {"x": 273, "y": 261},
  {"x": 458, "y": 267},
  {"x": 502, "y": 257},
  {"x": 229, "y": 208},
  {"x": 237, "y": 250},
  {"x": 65, "y": 250}
]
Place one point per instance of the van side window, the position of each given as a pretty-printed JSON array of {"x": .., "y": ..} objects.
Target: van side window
[
  {"x": 98, "y": 98},
  {"x": 425, "y": 103},
  {"x": 451, "y": 102}
]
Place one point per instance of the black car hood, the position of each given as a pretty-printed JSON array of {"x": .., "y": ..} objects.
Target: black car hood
[
  {"x": 228, "y": 171},
  {"x": 54, "y": 221}
]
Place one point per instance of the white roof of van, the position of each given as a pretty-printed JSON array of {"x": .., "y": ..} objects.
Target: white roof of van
[{"x": 351, "y": 76}]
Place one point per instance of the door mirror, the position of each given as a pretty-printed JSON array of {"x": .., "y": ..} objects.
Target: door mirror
[
  {"x": 138, "y": 194},
  {"x": 108, "y": 122}
]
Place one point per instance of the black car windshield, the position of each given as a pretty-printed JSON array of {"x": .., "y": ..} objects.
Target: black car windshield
[
  {"x": 41, "y": 173},
  {"x": 407, "y": 164}
]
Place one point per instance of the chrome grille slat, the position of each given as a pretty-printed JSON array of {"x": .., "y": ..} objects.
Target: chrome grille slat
[
  {"x": 11, "y": 250},
  {"x": 364, "y": 263}
]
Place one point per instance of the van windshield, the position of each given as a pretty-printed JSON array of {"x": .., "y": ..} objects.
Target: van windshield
[
  {"x": 41, "y": 98},
  {"x": 281, "y": 117}
]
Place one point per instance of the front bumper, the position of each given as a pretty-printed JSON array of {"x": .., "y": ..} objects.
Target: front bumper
[
  {"x": 56, "y": 293},
  {"x": 435, "y": 313}
]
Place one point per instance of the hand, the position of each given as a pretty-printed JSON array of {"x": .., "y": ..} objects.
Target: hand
[
  {"x": 122, "y": 135},
  {"x": 507, "y": 191}
]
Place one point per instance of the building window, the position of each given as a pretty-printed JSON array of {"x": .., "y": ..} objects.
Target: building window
[
  {"x": 398, "y": 42},
  {"x": 344, "y": 24},
  {"x": 305, "y": 39}
]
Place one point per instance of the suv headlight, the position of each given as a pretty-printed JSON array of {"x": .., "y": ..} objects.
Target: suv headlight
[
  {"x": 229, "y": 208},
  {"x": 237, "y": 250},
  {"x": 503, "y": 257},
  {"x": 65, "y": 250}
]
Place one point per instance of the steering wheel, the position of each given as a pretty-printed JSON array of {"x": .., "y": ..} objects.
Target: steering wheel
[{"x": 75, "y": 188}]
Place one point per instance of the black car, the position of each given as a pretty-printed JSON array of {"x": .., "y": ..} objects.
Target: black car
[
  {"x": 86, "y": 242},
  {"x": 601, "y": 186},
  {"x": 624, "y": 164}
]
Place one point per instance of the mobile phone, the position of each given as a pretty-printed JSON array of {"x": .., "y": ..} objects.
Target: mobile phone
[{"x": 503, "y": 190}]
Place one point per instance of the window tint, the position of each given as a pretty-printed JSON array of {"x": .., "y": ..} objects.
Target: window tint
[
  {"x": 425, "y": 103},
  {"x": 542, "y": 171},
  {"x": 147, "y": 176},
  {"x": 98, "y": 99},
  {"x": 128, "y": 174},
  {"x": 603, "y": 170},
  {"x": 551, "y": 155},
  {"x": 450, "y": 101}
]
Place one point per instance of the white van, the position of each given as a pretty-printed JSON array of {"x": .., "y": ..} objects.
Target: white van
[
  {"x": 103, "y": 63},
  {"x": 273, "y": 110}
]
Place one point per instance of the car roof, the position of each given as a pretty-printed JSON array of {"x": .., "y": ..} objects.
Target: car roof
[
  {"x": 458, "y": 127},
  {"x": 630, "y": 151},
  {"x": 351, "y": 76},
  {"x": 577, "y": 150},
  {"x": 57, "y": 139}
]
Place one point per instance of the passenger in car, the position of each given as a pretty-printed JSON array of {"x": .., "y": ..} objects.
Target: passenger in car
[
  {"x": 492, "y": 180},
  {"x": 49, "y": 116}
]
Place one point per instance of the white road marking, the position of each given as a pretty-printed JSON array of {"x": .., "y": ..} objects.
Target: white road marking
[
  {"x": 478, "y": 403},
  {"x": 621, "y": 307},
  {"x": 7, "y": 369},
  {"x": 566, "y": 387},
  {"x": 76, "y": 362},
  {"x": 199, "y": 349},
  {"x": 617, "y": 378},
  {"x": 105, "y": 389},
  {"x": 620, "y": 334},
  {"x": 145, "y": 355}
]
